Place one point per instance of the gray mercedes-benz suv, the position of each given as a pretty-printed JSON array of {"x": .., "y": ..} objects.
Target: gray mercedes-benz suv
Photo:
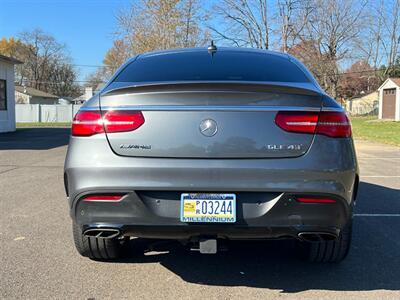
[{"x": 206, "y": 144}]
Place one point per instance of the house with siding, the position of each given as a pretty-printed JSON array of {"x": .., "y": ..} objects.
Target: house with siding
[
  {"x": 84, "y": 97},
  {"x": 363, "y": 104},
  {"x": 7, "y": 100},
  {"x": 28, "y": 95}
]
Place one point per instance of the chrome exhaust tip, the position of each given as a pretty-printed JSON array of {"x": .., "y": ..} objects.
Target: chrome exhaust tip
[
  {"x": 317, "y": 236},
  {"x": 105, "y": 233}
]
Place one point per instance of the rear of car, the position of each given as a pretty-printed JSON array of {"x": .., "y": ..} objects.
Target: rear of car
[{"x": 199, "y": 146}]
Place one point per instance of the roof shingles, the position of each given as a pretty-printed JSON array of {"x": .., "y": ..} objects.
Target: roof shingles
[
  {"x": 10, "y": 59},
  {"x": 396, "y": 80},
  {"x": 34, "y": 92}
]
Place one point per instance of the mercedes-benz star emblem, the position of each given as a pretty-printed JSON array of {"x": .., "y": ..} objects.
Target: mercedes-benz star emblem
[{"x": 208, "y": 127}]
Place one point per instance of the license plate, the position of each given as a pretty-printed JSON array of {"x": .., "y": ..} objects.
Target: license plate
[{"x": 208, "y": 208}]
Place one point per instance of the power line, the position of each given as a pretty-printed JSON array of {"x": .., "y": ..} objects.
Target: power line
[
  {"x": 90, "y": 66},
  {"x": 348, "y": 73},
  {"x": 60, "y": 82}
]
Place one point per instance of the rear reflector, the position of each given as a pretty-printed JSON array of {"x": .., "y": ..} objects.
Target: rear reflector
[
  {"x": 315, "y": 200},
  {"x": 333, "y": 124},
  {"x": 103, "y": 198},
  {"x": 87, "y": 123}
]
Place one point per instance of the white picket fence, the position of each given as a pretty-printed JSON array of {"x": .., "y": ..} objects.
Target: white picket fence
[{"x": 54, "y": 113}]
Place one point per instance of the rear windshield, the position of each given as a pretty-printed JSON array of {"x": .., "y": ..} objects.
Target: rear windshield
[{"x": 201, "y": 66}]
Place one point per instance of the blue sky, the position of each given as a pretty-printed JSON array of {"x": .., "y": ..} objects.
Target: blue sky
[{"x": 85, "y": 26}]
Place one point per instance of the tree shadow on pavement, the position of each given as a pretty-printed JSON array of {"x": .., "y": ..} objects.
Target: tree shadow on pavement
[
  {"x": 373, "y": 262},
  {"x": 34, "y": 138}
]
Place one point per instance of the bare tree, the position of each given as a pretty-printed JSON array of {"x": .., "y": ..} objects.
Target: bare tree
[
  {"x": 43, "y": 49},
  {"x": 327, "y": 35},
  {"x": 47, "y": 65},
  {"x": 160, "y": 24},
  {"x": 375, "y": 49},
  {"x": 62, "y": 80},
  {"x": 392, "y": 27},
  {"x": 292, "y": 18},
  {"x": 246, "y": 23},
  {"x": 370, "y": 41},
  {"x": 153, "y": 25},
  {"x": 97, "y": 79},
  {"x": 379, "y": 43},
  {"x": 334, "y": 26},
  {"x": 115, "y": 57},
  {"x": 188, "y": 12},
  {"x": 191, "y": 16}
]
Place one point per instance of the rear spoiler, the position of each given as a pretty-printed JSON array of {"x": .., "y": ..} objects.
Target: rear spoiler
[{"x": 240, "y": 86}]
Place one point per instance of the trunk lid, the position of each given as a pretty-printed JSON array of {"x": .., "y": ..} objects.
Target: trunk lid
[{"x": 210, "y": 120}]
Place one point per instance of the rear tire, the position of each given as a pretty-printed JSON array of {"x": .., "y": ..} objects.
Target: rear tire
[
  {"x": 328, "y": 251},
  {"x": 96, "y": 248}
]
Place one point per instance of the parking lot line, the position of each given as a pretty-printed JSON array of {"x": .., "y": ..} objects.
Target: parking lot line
[
  {"x": 381, "y": 176},
  {"x": 376, "y": 215},
  {"x": 391, "y": 158}
]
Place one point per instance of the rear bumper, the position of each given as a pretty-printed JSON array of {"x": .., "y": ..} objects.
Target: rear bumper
[
  {"x": 231, "y": 232},
  {"x": 91, "y": 167},
  {"x": 259, "y": 216}
]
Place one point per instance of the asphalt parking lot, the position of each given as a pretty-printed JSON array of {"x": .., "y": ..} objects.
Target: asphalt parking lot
[{"x": 38, "y": 259}]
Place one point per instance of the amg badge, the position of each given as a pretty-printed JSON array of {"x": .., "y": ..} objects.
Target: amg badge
[{"x": 131, "y": 146}]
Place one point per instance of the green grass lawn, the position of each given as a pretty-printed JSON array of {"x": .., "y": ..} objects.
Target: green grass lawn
[
  {"x": 42, "y": 124},
  {"x": 372, "y": 129}
]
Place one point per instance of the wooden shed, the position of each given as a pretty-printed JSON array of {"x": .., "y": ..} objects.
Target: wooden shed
[{"x": 389, "y": 99}]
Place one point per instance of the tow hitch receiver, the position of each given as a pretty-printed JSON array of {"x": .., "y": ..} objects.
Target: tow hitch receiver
[{"x": 208, "y": 246}]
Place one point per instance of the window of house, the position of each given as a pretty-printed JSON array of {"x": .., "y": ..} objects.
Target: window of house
[
  {"x": 3, "y": 95},
  {"x": 389, "y": 91}
]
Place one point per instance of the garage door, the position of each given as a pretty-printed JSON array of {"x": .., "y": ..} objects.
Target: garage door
[{"x": 389, "y": 104}]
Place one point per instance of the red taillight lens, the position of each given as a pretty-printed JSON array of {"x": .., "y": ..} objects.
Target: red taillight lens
[
  {"x": 122, "y": 120},
  {"x": 315, "y": 200},
  {"x": 302, "y": 122},
  {"x": 333, "y": 124},
  {"x": 103, "y": 198},
  {"x": 87, "y": 123}
]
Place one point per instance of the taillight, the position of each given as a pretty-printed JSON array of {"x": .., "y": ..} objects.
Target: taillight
[
  {"x": 122, "y": 120},
  {"x": 333, "y": 124},
  {"x": 87, "y": 123},
  {"x": 292, "y": 121}
]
